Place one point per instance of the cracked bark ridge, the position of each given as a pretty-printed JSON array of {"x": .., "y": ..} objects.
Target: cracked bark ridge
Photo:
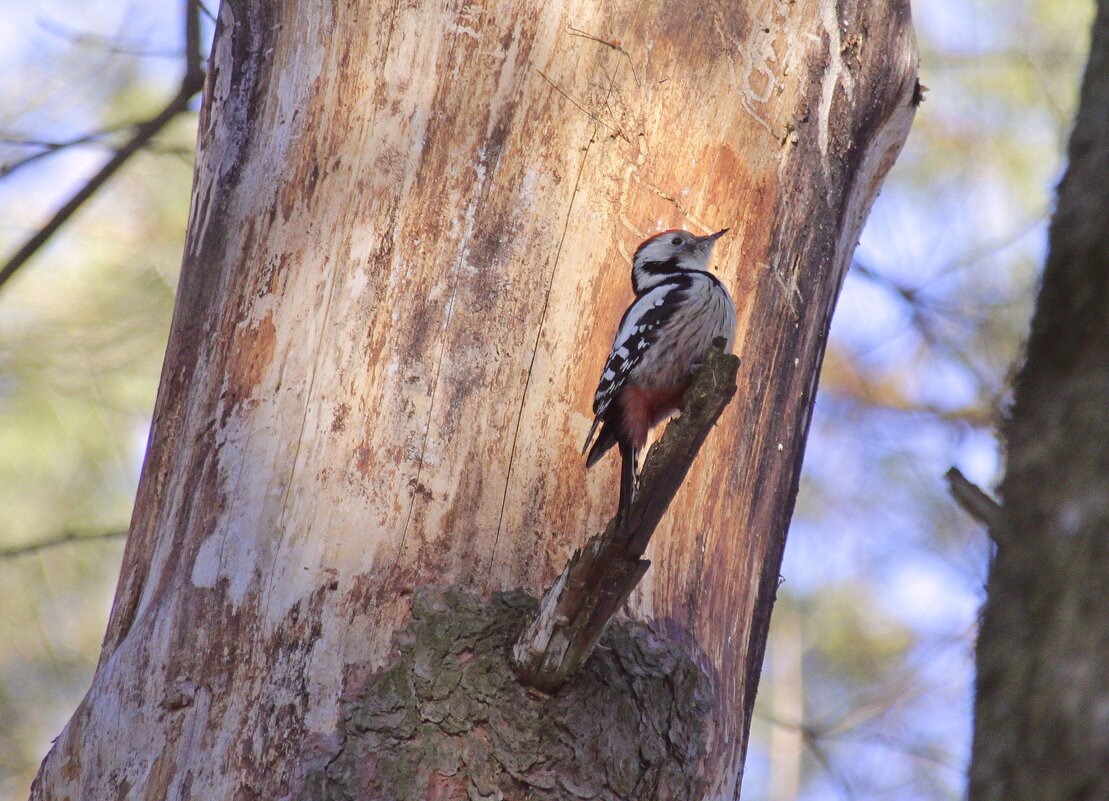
[
  {"x": 448, "y": 720},
  {"x": 598, "y": 579}
]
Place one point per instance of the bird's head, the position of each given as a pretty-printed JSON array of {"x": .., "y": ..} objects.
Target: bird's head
[{"x": 667, "y": 253}]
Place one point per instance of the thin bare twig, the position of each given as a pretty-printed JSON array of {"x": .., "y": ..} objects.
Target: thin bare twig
[
  {"x": 89, "y": 141},
  {"x": 613, "y": 43},
  {"x": 67, "y": 538},
  {"x": 923, "y": 312},
  {"x": 110, "y": 44},
  {"x": 813, "y": 744},
  {"x": 191, "y": 83},
  {"x": 50, "y": 148},
  {"x": 587, "y": 112}
]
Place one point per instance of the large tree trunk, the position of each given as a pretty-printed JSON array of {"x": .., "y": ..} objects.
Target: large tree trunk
[
  {"x": 408, "y": 249},
  {"x": 1042, "y": 706}
]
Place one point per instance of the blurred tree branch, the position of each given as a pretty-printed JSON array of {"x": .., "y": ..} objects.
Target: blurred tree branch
[
  {"x": 109, "y": 44},
  {"x": 931, "y": 318},
  {"x": 191, "y": 83},
  {"x": 844, "y": 378},
  {"x": 974, "y": 501},
  {"x": 49, "y": 148},
  {"x": 66, "y": 538},
  {"x": 92, "y": 139}
]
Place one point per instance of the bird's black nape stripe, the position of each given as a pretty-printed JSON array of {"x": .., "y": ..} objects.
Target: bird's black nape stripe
[
  {"x": 668, "y": 267},
  {"x": 661, "y": 267}
]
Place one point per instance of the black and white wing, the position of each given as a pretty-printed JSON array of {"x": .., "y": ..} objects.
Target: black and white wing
[{"x": 639, "y": 329}]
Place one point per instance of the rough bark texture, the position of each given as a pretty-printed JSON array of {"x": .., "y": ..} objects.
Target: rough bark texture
[
  {"x": 450, "y": 708},
  {"x": 408, "y": 249},
  {"x": 1042, "y": 705}
]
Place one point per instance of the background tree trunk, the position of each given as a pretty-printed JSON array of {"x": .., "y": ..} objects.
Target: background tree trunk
[
  {"x": 408, "y": 249},
  {"x": 1042, "y": 706}
]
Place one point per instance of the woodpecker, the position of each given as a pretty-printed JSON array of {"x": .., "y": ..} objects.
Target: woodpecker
[{"x": 679, "y": 309}]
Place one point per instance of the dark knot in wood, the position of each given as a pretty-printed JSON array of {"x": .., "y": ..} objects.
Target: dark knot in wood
[{"x": 599, "y": 577}]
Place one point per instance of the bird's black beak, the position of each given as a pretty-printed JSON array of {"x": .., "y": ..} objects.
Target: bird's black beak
[{"x": 713, "y": 237}]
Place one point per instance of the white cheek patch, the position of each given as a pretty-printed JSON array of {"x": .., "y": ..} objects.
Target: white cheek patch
[{"x": 696, "y": 259}]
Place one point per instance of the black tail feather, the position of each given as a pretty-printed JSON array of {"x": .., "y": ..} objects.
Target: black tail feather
[
  {"x": 605, "y": 440},
  {"x": 629, "y": 473},
  {"x": 627, "y": 483}
]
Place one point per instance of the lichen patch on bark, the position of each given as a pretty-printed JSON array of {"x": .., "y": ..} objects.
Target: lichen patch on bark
[{"x": 448, "y": 719}]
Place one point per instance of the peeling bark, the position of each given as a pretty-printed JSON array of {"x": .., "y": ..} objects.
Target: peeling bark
[
  {"x": 409, "y": 243},
  {"x": 1042, "y": 702}
]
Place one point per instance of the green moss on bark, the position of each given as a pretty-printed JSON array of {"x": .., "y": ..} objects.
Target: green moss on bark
[{"x": 449, "y": 720}]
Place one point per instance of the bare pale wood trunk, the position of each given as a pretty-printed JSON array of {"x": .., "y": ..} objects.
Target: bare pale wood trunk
[{"x": 408, "y": 249}]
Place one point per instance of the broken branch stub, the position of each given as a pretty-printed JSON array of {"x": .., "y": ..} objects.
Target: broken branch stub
[{"x": 598, "y": 579}]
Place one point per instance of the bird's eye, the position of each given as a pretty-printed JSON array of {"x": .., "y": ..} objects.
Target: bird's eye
[{"x": 676, "y": 240}]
